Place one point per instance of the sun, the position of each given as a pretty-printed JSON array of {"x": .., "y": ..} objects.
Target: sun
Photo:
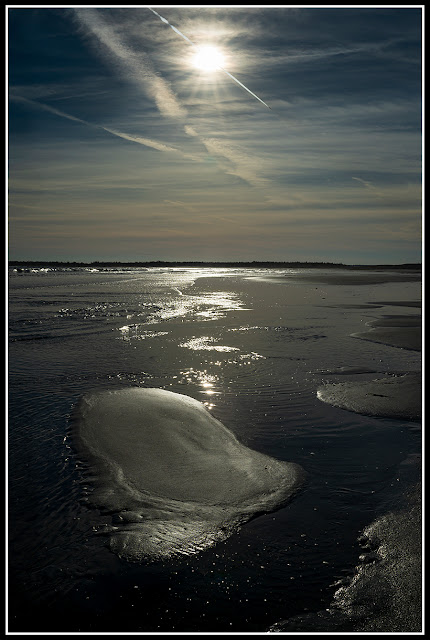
[{"x": 208, "y": 59}]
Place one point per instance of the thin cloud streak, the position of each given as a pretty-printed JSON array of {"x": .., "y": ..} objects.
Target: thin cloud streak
[
  {"x": 342, "y": 160},
  {"x": 220, "y": 68},
  {"x": 142, "y": 71},
  {"x": 172, "y": 27},
  {"x": 305, "y": 55},
  {"x": 238, "y": 163},
  {"x": 241, "y": 165},
  {"x": 166, "y": 102},
  {"x": 46, "y": 107},
  {"x": 153, "y": 144},
  {"x": 138, "y": 66},
  {"x": 365, "y": 183}
]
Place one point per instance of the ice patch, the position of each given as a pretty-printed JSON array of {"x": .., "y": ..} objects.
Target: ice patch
[{"x": 175, "y": 479}]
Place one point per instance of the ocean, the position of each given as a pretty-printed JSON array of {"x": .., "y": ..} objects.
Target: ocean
[{"x": 285, "y": 359}]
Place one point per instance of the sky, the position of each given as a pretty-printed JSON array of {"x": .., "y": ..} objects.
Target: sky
[{"x": 306, "y": 145}]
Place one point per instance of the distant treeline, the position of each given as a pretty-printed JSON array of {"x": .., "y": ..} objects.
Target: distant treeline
[{"x": 239, "y": 265}]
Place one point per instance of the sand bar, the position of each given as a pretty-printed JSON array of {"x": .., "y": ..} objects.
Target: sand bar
[
  {"x": 391, "y": 397},
  {"x": 400, "y": 331}
]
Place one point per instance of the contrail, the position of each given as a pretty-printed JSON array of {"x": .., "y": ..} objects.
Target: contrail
[
  {"x": 153, "y": 144},
  {"x": 138, "y": 69},
  {"x": 221, "y": 68}
]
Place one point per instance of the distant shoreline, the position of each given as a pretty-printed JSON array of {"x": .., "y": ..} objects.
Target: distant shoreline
[{"x": 239, "y": 265}]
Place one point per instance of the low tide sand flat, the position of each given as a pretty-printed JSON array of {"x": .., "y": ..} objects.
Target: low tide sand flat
[
  {"x": 176, "y": 480},
  {"x": 390, "y": 557},
  {"x": 339, "y": 277},
  {"x": 403, "y": 331},
  {"x": 391, "y": 397},
  {"x": 400, "y": 303},
  {"x": 92, "y": 550},
  {"x": 391, "y": 543}
]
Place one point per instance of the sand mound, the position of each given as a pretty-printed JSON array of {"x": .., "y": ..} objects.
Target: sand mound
[{"x": 176, "y": 480}]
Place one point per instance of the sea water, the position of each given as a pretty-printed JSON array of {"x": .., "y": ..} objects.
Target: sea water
[{"x": 252, "y": 346}]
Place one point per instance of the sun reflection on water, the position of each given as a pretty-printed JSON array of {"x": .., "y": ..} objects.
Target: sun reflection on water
[
  {"x": 134, "y": 332},
  {"x": 204, "y": 343},
  {"x": 208, "y": 383},
  {"x": 212, "y": 305}
]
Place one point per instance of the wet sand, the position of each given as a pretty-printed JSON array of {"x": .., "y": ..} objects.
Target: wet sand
[
  {"x": 348, "y": 277},
  {"x": 392, "y": 397},
  {"x": 398, "y": 331},
  {"x": 398, "y": 394},
  {"x": 264, "y": 389},
  {"x": 390, "y": 558},
  {"x": 391, "y": 544},
  {"x": 400, "y": 303}
]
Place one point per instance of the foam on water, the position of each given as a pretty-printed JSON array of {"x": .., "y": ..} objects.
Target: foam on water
[{"x": 175, "y": 478}]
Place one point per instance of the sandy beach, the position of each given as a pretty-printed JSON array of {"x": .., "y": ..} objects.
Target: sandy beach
[
  {"x": 273, "y": 359},
  {"x": 404, "y": 331}
]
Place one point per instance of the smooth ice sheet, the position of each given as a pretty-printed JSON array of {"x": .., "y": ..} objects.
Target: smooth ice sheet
[{"x": 176, "y": 480}]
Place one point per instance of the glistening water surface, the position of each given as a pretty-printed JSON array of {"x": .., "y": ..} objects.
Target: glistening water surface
[{"x": 254, "y": 347}]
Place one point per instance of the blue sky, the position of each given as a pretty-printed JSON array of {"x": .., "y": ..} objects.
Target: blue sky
[{"x": 121, "y": 149}]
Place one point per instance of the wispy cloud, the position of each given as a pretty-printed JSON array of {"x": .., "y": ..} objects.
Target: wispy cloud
[
  {"x": 46, "y": 107},
  {"x": 235, "y": 161},
  {"x": 136, "y": 64},
  {"x": 190, "y": 131},
  {"x": 153, "y": 144},
  {"x": 232, "y": 160},
  {"x": 365, "y": 183},
  {"x": 181, "y": 205},
  {"x": 220, "y": 67},
  {"x": 298, "y": 55},
  {"x": 123, "y": 128},
  {"x": 147, "y": 142}
]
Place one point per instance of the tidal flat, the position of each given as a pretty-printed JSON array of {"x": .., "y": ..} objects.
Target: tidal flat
[{"x": 256, "y": 349}]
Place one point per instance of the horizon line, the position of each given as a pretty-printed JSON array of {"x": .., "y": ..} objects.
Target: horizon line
[{"x": 207, "y": 262}]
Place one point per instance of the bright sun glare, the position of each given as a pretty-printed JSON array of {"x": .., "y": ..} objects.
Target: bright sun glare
[{"x": 208, "y": 59}]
